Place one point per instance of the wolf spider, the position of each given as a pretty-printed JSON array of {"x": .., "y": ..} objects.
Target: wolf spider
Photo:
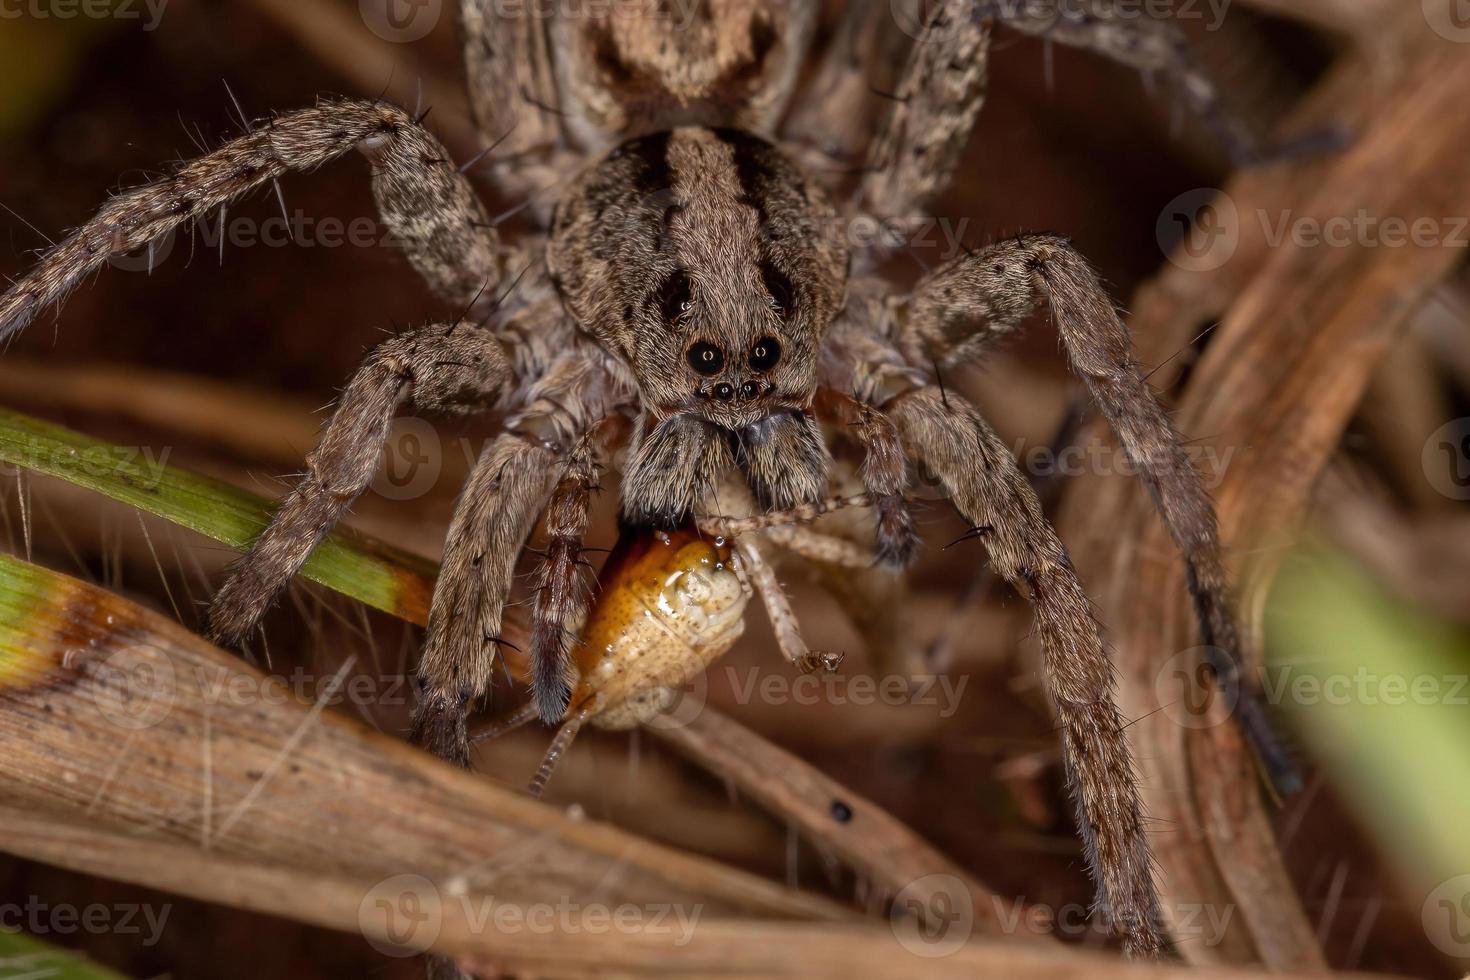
[{"x": 691, "y": 281}]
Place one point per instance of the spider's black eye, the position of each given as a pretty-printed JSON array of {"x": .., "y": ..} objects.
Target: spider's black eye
[
  {"x": 765, "y": 354},
  {"x": 780, "y": 289},
  {"x": 705, "y": 358},
  {"x": 675, "y": 299}
]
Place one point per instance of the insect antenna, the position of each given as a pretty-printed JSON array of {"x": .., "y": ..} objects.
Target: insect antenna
[
  {"x": 558, "y": 748},
  {"x": 504, "y": 726}
]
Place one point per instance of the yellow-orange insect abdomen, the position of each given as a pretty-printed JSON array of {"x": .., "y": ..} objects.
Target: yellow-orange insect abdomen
[{"x": 671, "y": 604}]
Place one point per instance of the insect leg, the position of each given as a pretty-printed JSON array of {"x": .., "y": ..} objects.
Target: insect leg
[{"x": 778, "y": 607}]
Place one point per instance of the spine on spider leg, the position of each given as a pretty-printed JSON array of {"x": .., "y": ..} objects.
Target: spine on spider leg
[
  {"x": 1101, "y": 351},
  {"x": 560, "y": 594}
]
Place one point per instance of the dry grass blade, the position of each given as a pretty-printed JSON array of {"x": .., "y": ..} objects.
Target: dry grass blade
[
  {"x": 1306, "y": 333},
  {"x": 762, "y": 950},
  {"x": 895, "y": 860},
  {"x": 259, "y": 426},
  {"x": 226, "y": 514},
  {"x": 129, "y": 752},
  {"x": 127, "y": 738}
]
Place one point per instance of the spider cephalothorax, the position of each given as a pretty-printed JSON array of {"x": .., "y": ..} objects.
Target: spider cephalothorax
[
  {"x": 692, "y": 289},
  {"x": 710, "y": 264}
]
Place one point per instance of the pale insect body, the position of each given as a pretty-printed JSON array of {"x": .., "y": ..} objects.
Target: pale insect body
[
  {"x": 670, "y": 604},
  {"x": 674, "y": 604}
]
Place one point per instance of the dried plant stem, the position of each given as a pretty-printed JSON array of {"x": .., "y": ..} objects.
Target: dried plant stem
[{"x": 864, "y": 836}]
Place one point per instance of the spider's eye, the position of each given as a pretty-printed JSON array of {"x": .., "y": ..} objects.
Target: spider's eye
[
  {"x": 765, "y": 354},
  {"x": 675, "y": 299},
  {"x": 705, "y": 358},
  {"x": 780, "y": 289}
]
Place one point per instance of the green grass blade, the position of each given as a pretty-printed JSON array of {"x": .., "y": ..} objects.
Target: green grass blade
[
  {"x": 22, "y": 955},
  {"x": 1379, "y": 690},
  {"x": 383, "y": 577}
]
